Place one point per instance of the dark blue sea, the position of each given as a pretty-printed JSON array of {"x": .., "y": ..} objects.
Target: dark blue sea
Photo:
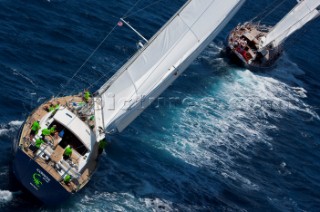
[{"x": 221, "y": 138}]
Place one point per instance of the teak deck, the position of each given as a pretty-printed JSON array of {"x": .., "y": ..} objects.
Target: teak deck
[{"x": 57, "y": 155}]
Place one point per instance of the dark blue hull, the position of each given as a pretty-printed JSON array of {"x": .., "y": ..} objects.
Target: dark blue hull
[
  {"x": 36, "y": 179},
  {"x": 237, "y": 61}
]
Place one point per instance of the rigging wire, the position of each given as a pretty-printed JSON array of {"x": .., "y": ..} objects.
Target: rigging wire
[
  {"x": 126, "y": 15},
  {"x": 133, "y": 6},
  {"x": 276, "y": 7},
  {"x": 105, "y": 75},
  {"x": 270, "y": 9},
  {"x": 126, "y": 59},
  {"x": 296, "y": 37},
  {"x": 137, "y": 11},
  {"x": 88, "y": 58},
  {"x": 96, "y": 49}
]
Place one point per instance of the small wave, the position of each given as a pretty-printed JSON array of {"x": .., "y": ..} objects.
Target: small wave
[
  {"x": 10, "y": 127},
  {"x": 158, "y": 204},
  {"x": 17, "y": 73},
  {"x": 40, "y": 99},
  {"x": 5, "y": 196},
  {"x": 15, "y": 123}
]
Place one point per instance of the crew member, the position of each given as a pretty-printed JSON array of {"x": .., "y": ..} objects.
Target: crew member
[
  {"x": 46, "y": 131},
  {"x": 53, "y": 129},
  {"x": 39, "y": 141},
  {"x": 52, "y": 107},
  {"x": 102, "y": 146},
  {"x": 34, "y": 129},
  {"x": 67, "y": 179},
  {"x": 67, "y": 152},
  {"x": 86, "y": 95}
]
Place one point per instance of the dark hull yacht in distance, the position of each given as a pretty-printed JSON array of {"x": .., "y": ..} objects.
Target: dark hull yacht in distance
[{"x": 258, "y": 46}]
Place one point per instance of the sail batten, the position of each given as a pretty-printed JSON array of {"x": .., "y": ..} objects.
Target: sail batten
[
  {"x": 163, "y": 58},
  {"x": 302, "y": 13}
]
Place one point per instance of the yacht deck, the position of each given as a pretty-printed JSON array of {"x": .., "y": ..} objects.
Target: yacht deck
[{"x": 50, "y": 154}]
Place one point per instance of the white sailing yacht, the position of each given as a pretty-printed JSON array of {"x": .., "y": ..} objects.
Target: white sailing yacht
[
  {"x": 57, "y": 148},
  {"x": 259, "y": 46}
]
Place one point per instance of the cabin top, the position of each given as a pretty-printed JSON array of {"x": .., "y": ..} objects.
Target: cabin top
[{"x": 72, "y": 123}]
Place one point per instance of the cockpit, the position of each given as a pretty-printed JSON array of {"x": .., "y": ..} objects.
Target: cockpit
[{"x": 62, "y": 130}]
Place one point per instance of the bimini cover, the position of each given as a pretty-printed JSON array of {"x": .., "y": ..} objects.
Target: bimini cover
[{"x": 75, "y": 125}]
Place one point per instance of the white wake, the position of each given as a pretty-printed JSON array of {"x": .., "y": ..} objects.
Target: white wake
[
  {"x": 12, "y": 126},
  {"x": 5, "y": 196}
]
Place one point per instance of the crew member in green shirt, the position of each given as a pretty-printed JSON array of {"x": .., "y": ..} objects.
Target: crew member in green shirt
[
  {"x": 46, "y": 131},
  {"x": 102, "y": 146},
  {"x": 67, "y": 179},
  {"x": 50, "y": 131},
  {"x": 87, "y": 96},
  {"x": 54, "y": 107},
  {"x": 34, "y": 129},
  {"x": 67, "y": 152},
  {"x": 53, "y": 129},
  {"x": 39, "y": 141}
]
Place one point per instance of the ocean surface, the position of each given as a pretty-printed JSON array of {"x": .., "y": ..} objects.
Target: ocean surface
[{"x": 221, "y": 138}]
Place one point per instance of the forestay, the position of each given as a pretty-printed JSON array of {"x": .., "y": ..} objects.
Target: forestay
[
  {"x": 153, "y": 68},
  {"x": 302, "y": 13}
]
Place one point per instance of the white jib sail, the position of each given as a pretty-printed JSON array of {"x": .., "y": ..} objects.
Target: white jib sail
[
  {"x": 167, "y": 54},
  {"x": 302, "y": 13}
]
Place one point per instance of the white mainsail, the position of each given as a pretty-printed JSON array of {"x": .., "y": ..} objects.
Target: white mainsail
[
  {"x": 302, "y": 13},
  {"x": 167, "y": 54}
]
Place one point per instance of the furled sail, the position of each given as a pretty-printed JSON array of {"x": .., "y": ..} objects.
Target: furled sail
[
  {"x": 302, "y": 13},
  {"x": 154, "y": 67}
]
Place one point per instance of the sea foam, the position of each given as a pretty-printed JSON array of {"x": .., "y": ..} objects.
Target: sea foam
[
  {"x": 5, "y": 196},
  {"x": 10, "y": 127}
]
